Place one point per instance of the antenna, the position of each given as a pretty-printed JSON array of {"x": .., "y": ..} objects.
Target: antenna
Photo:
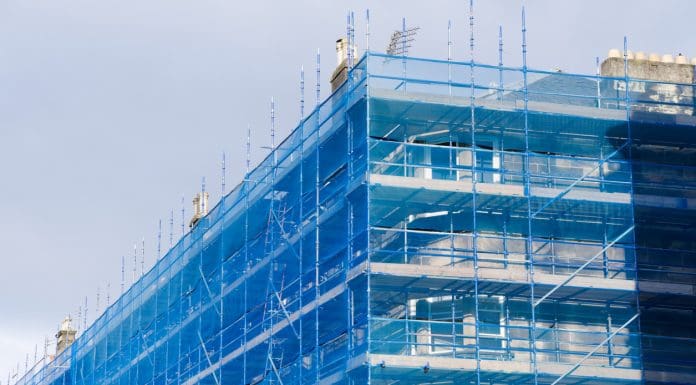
[
  {"x": 84, "y": 320},
  {"x": 108, "y": 295},
  {"x": 301, "y": 92},
  {"x": 97, "y": 305},
  {"x": 223, "y": 173},
  {"x": 401, "y": 40},
  {"x": 36, "y": 353},
  {"x": 318, "y": 77},
  {"x": 123, "y": 274},
  {"x": 367, "y": 30},
  {"x": 159, "y": 239}
]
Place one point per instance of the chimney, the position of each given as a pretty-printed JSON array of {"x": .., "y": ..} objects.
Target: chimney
[
  {"x": 340, "y": 74},
  {"x": 65, "y": 336},
  {"x": 200, "y": 208},
  {"x": 669, "y": 82},
  {"x": 341, "y": 50}
]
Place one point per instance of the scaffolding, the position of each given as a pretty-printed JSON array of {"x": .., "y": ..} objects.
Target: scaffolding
[{"x": 430, "y": 222}]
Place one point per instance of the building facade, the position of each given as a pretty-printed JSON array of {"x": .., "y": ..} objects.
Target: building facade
[{"x": 432, "y": 222}]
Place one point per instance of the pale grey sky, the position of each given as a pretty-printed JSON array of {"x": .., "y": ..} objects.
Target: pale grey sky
[{"x": 110, "y": 111}]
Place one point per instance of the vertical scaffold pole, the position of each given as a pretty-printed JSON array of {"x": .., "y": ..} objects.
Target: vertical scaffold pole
[
  {"x": 597, "y": 77},
  {"x": 301, "y": 221},
  {"x": 183, "y": 216},
  {"x": 142, "y": 258},
  {"x": 79, "y": 319},
  {"x": 367, "y": 30},
  {"x": 403, "y": 52},
  {"x": 273, "y": 129},
  {"x": 224, "y": 171},
  {"x": 171, "y": 228},
  {"x": 247, "y": 263},
  {"x": 135, "y": 262},
  {"x": 500, "y": 62},
  {"x": 248, "y": 151},
  {"x": 349, "y": 220},
  {"x": 79, "y": 322},
  {"x": 352, "y": 39},
  {"x": 182, "y": 307},
  {"x": 629, "y": 135},
  {"x": 474, "y": 194},
  {"x": 123, "y": 274},
  {"x": 302, "y": 101},
  {"x": 527, "y": 191},
  {"x": 318, "y": 85},
  {"x": 203, "y": 202},
  {"x": 317, "y": 212},
  {"x": 270, "y": 249},
  {"x": 221, "y": 260},
  {"x": 349, "y": 50},
  {"x": 159, "y": 239},
  {"x": 449, "y": 56}
]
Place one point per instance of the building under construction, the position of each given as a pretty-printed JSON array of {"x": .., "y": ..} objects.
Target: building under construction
[{"x": 435, "y": 222}]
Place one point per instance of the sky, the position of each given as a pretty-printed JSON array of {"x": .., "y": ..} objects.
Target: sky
[{"x": 112, "y": 110}]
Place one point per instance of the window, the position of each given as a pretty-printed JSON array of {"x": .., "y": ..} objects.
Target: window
[
  {"x": 491, "y": 321},
  {"x": 445, "y": 324}
]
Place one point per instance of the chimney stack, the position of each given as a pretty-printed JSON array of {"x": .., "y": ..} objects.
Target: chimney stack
[
  {"x": 65, "y": 336},
  {"x": 340, "y": 74},
  {"x": 200, "y": 208}
]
